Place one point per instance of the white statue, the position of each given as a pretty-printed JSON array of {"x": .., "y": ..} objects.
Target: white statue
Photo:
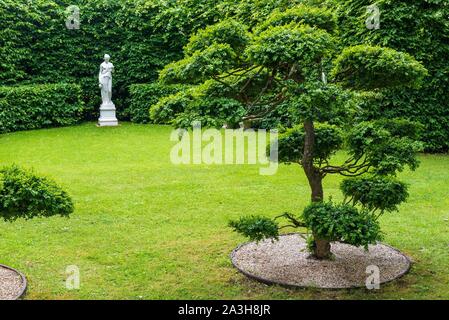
[{"x": 107, "y": 109}]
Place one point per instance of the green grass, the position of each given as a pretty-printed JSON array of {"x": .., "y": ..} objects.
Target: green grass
[{"x": 144, "y": 228}]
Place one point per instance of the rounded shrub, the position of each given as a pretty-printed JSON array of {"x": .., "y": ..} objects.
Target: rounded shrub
[
  {"x": 371, "y": 67},
  {"x": 289, "y": 44},
  {"x": 312, "y": 16},
  {"x": 26, "y": 195},
  {"x": 256, "y": 228},
  {"x": 228, "y": 32},
  {"x": 341, "y": 222},
  {"x": 375, "y": 193}
]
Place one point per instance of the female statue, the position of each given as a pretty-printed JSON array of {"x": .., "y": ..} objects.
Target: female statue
[
  {"x": 107, "y": 108},
  {"x": 105, "y": 78}
]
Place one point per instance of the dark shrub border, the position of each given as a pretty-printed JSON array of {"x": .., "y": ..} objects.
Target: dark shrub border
[{"x": 39, "y": 106}]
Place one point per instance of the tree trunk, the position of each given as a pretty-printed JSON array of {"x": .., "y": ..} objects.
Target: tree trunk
[{"x": 321, "y": 247}]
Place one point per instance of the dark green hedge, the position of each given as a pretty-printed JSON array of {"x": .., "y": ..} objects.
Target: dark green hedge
[
  {"x": 420, "y": 28},
  {"x": 39, "y": 106},
  {"x": 141, "y": 36},
  {"x": 143, "y": 96}
]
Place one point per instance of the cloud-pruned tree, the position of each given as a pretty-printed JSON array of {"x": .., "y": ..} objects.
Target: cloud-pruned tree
[{"x": 295, "y": 60}]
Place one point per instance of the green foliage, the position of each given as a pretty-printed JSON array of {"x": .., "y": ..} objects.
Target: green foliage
[
  {"x": 322, "y": 103},
  {"x": 206, "y": 103},
  {"x": 226, "y": 32},
  {"x": 144, "y": 35},
  {"x": 401, "y": 128},
  {"x": 290, "y": 44},
  {"x": 375, "y": 193},
  {"x": 254, "y": 12},
  {"x": 367, "y": 68},
  {"x": 143, "y": 96},
  {"x": 25, "y": 195},
  {"x": 386, "y": 152},
  {"x": 201, "y": 65},
  {"x": 166, "y": 109},
  {"x": 256, "y": 228},
  {"x": 278, "y": 118},
  {"x": 328, "y": 139},
  {"x": 340, "y": 222},
  {"x": 420, "y": 28},
  {"x": 211, "y": 112},
  {"x": 38, "y": 48},
  {"x": 312, "y": 16},
  {"x": 39, "y": 106},
  {"x": 141, "y": 37}
]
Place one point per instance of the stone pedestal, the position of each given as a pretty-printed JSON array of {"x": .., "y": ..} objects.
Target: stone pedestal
[{"x": 107, "y": 115}]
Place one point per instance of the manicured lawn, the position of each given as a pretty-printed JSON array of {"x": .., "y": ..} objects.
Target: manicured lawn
[{"x": 144, "y": 228}]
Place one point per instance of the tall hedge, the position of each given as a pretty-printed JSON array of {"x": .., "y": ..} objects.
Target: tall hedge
[
  {"x": 37, "y": 47},
  {"x": 39, "y": 106},
  {"x": 420, "y": 28},
  {"x": 141, "y": 36}
]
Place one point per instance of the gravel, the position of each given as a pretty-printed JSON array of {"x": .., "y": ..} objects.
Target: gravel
[
  {"x": 11, "y": 284},
  {"x": 287, "y": 262}
]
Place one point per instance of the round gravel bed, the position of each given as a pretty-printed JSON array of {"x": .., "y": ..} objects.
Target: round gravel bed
[
  {"x": 287, "y": 262},
  {"x": 12, "y": 283}
]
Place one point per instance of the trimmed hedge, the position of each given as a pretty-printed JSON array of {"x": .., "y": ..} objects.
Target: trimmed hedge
[
  {"x": 141, "y": 36},
  {"x": 143, "y": 96},
  {"x": 39, "y": 106}
]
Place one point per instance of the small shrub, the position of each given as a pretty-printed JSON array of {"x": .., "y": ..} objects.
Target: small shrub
[
  {"x": 256, "y": 228},
  {"x": 341, "y": 222},
  {"x": 26, "y": 195}
]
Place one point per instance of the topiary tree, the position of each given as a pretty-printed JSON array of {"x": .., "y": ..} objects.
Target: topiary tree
[
  {"x": 25, "y": 195},
  {"x": 294, "y": 61}
]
